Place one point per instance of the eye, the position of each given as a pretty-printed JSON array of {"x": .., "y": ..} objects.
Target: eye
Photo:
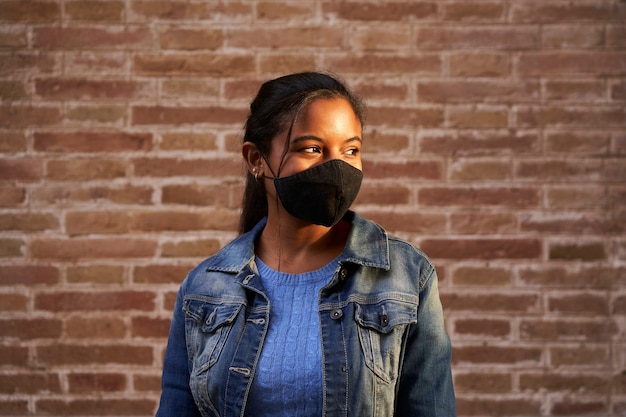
[
  {"x": 353, "y": 151},
  {"x": 312, "y": 149}
]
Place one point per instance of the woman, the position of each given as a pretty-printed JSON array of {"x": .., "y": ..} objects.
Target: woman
[{"x": 312, "y": 310}]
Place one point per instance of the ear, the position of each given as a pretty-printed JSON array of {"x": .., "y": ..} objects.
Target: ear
[{"x": 253, "y": 158}]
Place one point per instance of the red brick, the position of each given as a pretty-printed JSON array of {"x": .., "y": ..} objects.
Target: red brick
[
  {"x": 479, "y": 170},
  {"x": 77, "y": 64},
  {"x": 585, "y": 383},
  {"x": 468, "y": 144},
  {"x": 575, "y": 223},
  {"x": 393, "y": 11},
  {"x": 576, "y": 197},
  {"x": 585, "y": 143},
  {"x": 12, "y": 90},
  {"x": 471, "y": 117},
  {"x": 474, "y": 91},
  {"x": 97, "y": 274},
  {"x": 183, "y": 10},
  {"x": 483, "y": 382},
  {"x": 585, "y": 303},
  {"x": 375, "y": 89},
  {"x": 618, "y": 91},
  {"x": 473, "y": 12},
  {"x": 568, "y": 330},
  {"x": 96, "y": 114},
  {"x": 91, "y": 38},
  {"x": 29, "y": 329},
  {"x": 95, "y": 11},
  {"x": 68, "y": 354},
  {"x": 487, "y": 354},
  {"x": 619, "y": 305},
  {"x": 498, "y": 407},
  {"x": 95, "y": 328},
  {"x": 276, "y": 63},
  {"x": 198, "y": 195},
  {"x": 579, "y": 407},
  {"x": 303, "y": 36},
  {"x": 92, "y": 142},
  {"x": 578, "y": 276},
  {"x": 116, "y": 222},
  {"x": 85, "y": 169},
  {"x": 538, "y": 11},
  {"x": 43, "y": 62},
  {"x": 579, "y": 251},
  {"x": 201, "y": 248},
  {"x": 147, "y": 382},
  {"x": 29, "y": 222},
  {"x": 97, "y": 300},
  {"x": 616, "y": 36},
  {"x": 119, "y": 194},
  {"x": 161, "y": 274},
  {"x": 11, "y": 248},
  {"x": 560, "y": 170},
  {"x": 480, "y": 64},
  {"x": 381, "y": 38},
  {"x": 411, "y": 169},
  {"x": 383, "y": 194},
  {"x": 13, "y": 302},
  {"x": 190, "y": 89},
  {"x": 161, "y": 115},
  {"x": 482, "y": 328},
  {"x": 571, "y": 63},
  {"x": 210, "y": 65},
  {"x": 30, "y": 11},
  {"x": 30, "y": 383},
  {"x": 96, "y": 383},
  {"x": 15, "y": 356},
  {"x": 482, "y": 248},
  {"x": 579, "y": 356},
  {"x": 20, "y": 116},
  {"x": 574, "y": 36},
  {"x": 26, "y": 169},
  {"x": 474, "y": 223},
  {"x": 83, "y": 89},
  {"x": 94, "y": 407},
  {"x": 575, "y": 91},
  {"x": 12, "y": 142},
  {"x": 284, "y": 10},
  {"x": 171, "y": 167},
  {"x": 150, "y": 327},
  {"x": 478, "y": 275},
  {"x": 421, "y": 64},
  {"x": 28, "y": 275},
  {"x": 473, "y": 197},
  {"x": 86, "y": 248},
  {"x": 13, "y": 39},
  {"x": 518, "y": 303},
  {"x": 188, "y": 141},
  {"x": 412, "y": 222},
  {"x": 497, "y": 37},
  {"x": 191, "y": 39}
]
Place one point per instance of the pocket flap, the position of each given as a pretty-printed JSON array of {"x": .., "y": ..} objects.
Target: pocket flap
[
  {"x": 385, "y": 315},
  {"x": 210, "y": 316}
]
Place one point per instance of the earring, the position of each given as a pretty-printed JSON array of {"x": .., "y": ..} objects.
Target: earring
[{"x": 256, "y": 174}]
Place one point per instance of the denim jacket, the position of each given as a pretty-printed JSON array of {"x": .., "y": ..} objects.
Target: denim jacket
[{"x": 385, "y": 351}]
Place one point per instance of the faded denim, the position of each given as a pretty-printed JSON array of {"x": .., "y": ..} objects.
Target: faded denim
[{"x": 385, "y": 350}]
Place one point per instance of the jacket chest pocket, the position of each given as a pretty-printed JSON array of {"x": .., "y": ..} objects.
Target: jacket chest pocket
[
  {"x": 207, "y": 326},
  {"x": 381, "y": 327}
]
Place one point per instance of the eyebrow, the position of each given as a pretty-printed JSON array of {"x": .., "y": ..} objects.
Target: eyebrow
[{"x": 318, "y": 139}]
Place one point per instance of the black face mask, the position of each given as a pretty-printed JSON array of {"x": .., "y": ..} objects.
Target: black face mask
[{"x": 321, "y": 194}]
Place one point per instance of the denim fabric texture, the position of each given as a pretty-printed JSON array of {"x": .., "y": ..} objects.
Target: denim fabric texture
[{"x": 385, "y": 351}]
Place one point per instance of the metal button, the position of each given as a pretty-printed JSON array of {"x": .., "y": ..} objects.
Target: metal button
[
  {"x": 343, "y": 274},
  {"x": 384, "y": 320},
  {"x": 336, "y": 314}
]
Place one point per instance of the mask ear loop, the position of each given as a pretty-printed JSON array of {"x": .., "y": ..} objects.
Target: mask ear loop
[{"x": 277, "y": 175}]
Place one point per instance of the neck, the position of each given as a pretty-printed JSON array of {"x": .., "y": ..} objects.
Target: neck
[{"x": 293, "y": 246}]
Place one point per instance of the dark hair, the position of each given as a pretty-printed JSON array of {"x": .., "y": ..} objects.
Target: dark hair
[{"x": 273, "y": 111}]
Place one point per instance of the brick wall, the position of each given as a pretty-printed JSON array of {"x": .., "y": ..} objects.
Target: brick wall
[{"x": 496, "y": 140}]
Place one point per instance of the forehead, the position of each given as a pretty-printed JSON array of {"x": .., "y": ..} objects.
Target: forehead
[{"x": 335, "y": 114}]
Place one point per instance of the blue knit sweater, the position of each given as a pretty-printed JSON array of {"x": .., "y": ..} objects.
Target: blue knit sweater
[{"x": 288, "y": 379}]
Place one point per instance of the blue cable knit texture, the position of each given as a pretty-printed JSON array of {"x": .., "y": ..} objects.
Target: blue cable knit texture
[{"x": 288, "y": 379}]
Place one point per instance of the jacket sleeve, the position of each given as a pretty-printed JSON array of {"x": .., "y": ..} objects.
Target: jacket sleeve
[
  {"x": 176, "y": 397},
  {"x": 425, "y": 387}
]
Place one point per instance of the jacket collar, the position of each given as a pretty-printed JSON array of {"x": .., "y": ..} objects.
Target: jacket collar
[{"x": 367, "y": 245}]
